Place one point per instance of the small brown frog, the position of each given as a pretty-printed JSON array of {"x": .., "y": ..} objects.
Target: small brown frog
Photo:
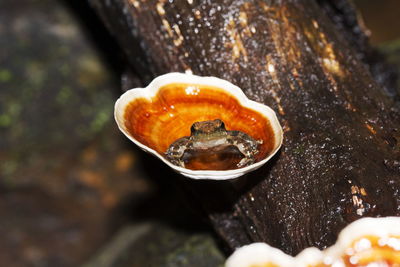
[{"x": 208, "y": 135}]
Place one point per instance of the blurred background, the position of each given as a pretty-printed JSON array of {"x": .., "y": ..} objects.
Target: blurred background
[{"x": 73, "y": 190}]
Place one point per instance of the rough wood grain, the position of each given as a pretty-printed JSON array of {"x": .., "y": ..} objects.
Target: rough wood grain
[
  {"x": 340, "y": 159},
  {"x": 348, "y": 21}
]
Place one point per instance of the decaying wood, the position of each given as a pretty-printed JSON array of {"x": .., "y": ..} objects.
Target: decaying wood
[
  {"x": 340, "y": 159},
  {"x": 348, "y": 21}
]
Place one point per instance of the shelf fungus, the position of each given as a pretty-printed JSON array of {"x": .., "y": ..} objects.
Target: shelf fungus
[
  {"x": 365, "y": 242},
  {"x": 202, "y": 127}
]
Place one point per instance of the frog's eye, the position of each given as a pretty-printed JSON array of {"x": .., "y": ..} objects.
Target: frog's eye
[
  {"x": 194, "y": 127},
  {"x": 221, "y": 124}
]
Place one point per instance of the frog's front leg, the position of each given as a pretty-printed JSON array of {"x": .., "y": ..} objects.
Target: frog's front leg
[
  {"x": 176, "y": 150},
  {"x": 246, "y": 145}
]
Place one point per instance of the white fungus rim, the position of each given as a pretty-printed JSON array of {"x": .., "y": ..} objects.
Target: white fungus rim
[{"x": 261, "y": 253}]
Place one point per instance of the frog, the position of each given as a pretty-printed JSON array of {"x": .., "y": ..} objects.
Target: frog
[{"x": 210, "y": 134}]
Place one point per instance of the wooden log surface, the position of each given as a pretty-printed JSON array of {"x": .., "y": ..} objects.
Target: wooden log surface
[
  {"x": 348, "y": 21},
  {"x": 340, "y": 159}
]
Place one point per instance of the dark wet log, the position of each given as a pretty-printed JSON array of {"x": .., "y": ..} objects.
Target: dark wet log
[
  {"x": 348, "y": 21},
  {"x": 341, "y": 156}
]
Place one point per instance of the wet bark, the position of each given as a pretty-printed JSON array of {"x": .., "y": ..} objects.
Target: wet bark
[
  {"x": 340, "y": 159},
  {"x": 348, "y": 21}
]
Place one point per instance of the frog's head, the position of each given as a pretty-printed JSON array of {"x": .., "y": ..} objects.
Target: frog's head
[{"x": 208, "y": 129}]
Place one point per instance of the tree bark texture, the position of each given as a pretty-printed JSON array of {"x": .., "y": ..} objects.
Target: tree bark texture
[
  {"x": 348, "y": 21},
  {"x": 340, "y": 157}
]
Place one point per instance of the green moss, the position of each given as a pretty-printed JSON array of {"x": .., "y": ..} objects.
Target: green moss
[
  {"x": 198, "y": 250},
  {"x": 390, "y": 47},
  {"x": 102, "y": 117},
  {"x": 5, "y": 75},
  {"x": 8, "y": 167},
  {"x": 13, "y": 110},
  {"x": 65, "y": 69},
  {"x": 300, "y": 149},
  {"x": 64, "y": 95},
  {"x": 5, "y": 120},
  {"x": 36, "y": 74}
]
